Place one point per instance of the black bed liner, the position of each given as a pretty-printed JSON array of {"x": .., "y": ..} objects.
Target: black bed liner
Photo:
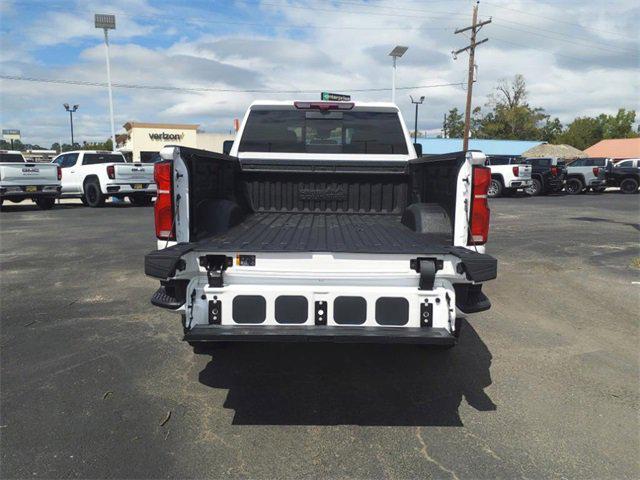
[{"x": 324, "y": 232}]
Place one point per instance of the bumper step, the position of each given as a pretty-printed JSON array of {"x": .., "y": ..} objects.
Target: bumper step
[
  {"x": 319, "y": 333},
  {"x": 163, "y": 300}
]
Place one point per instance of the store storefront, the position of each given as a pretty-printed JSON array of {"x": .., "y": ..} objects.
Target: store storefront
[{"x": 143, "y": 141}]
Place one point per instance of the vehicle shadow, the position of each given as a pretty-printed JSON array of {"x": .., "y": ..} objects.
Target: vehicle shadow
[
  {"x": 338, "y": 384},
  {"x": 32, "y": 207},
  {"x": 606, "y": 220}
]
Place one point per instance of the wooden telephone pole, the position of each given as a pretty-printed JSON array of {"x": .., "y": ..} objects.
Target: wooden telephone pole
[{"x": 475, "y": 28}]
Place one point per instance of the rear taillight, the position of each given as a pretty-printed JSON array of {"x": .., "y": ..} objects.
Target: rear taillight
[
  {"x": 111, "y": 171},
  {"x": 163, "y": 210},
  {"x": 516, "y": 171},
  {"x": 554, "y": 171},
  {"x": 596, "y": 171},
  {"x": 59, "y": 173},
  {"x": 480, "y": 213},
  {"x": 324, "y": 105}
]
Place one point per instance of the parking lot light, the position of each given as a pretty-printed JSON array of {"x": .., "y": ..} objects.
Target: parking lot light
[
  {"x": 108, "y": 22},
  {"x": 71, "y": 110},
  {"x": 396, "y": 53}
]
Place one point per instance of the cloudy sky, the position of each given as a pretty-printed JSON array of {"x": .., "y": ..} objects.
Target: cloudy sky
[{"x": 578, "y": 57}]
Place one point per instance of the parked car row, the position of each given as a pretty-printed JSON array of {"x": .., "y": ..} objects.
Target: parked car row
[
  {"x": 541, "y": 176},
  {"x": 90, "y": 175}
]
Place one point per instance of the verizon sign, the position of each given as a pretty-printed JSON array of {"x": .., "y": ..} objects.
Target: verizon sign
[{"x": 166, "y": 136}]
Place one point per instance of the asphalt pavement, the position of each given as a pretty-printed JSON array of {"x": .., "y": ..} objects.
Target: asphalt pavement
[{"x": 95, "y": 382}]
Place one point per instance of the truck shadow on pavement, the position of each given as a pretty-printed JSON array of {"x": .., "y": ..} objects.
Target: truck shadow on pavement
[
  {"x": 338, "y": 384},
  {"x": 606, "y": 220}
]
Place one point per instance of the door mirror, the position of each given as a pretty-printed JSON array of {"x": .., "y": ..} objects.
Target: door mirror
[
  {"x": 226, "y": 146},
  {"x": 418, "y": 147}
]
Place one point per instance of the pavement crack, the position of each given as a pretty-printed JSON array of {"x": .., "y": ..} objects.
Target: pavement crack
[{"x": 425, "y": 453}]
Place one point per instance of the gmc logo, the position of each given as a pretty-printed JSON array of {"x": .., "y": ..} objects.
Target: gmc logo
[
  {"x": 328, "y": 193},
  {"x": 136, "y": 169},
  {"x": 30, "y": 170}
]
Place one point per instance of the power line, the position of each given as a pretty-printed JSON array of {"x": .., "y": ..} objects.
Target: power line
[
  {"x": 207, "y": 89},
  {"x": 600, "y": 46},
  {"x": 554, "y": 19}
]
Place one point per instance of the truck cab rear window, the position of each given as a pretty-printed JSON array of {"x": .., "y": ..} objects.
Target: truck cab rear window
[
  {"x": 95, "y": 158},
  {"x": 11, "y": 158},
  {"x": 305, "y": 131}
]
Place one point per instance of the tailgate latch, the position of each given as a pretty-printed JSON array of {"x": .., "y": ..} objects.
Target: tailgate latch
[
  {"x": 427, "y": 268},
  {"x": 215, "y": 265}
]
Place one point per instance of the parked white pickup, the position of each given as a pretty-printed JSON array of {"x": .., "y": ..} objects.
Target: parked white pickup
[
  {"x": 93, "y": 176},
  {"x": 20, "y": 180},
  {"x": 586, "y": 173},
  {"x": 507, "y": 175}
]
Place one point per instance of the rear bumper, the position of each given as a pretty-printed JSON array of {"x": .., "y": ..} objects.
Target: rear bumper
[
  {"x": 319, "y": 333},
  {"x": 20, "y": 192},
  {"x": 520, "y": 183},
  {"x": 597, "y": 183},
  {"x": 128, "y": 189}
]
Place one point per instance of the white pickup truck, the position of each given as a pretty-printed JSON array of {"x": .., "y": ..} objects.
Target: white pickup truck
[
  {"x": 586, "y": 173},
  {"x": 20, "y": 180},
  {"x": 321, "y": 225},
  {"x": 93, "y": 176},
  {"x": 508, "y": 174}
]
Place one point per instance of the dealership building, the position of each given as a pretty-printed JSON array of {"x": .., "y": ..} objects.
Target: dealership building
[{"x": 143, "y": 141}]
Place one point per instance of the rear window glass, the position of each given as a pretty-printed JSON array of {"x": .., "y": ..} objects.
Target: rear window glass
[
  {"x": 498, "y": 161},
  {"x": 541, "y": 162},
  {"x": 95, "y": 158},
  {"x": 11, "y": 158},
  {"x": 313, "y": 131}
]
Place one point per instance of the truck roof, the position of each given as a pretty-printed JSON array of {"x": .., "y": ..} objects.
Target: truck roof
[
  {"x": 90, "y": 151},
  {"x": 292, "y": 102}
]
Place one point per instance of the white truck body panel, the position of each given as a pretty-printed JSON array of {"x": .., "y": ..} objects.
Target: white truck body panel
[
  {"x": 129, "y": 178},
  {"x": 505, "y": 174},
  {"x": 26, "y": 179}
]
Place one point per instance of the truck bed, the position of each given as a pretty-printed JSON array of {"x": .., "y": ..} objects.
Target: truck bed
[{"x": 324, "y": 232}]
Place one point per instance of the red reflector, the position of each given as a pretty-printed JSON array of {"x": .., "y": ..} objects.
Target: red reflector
[
  {"x": 516, "y": 171},
  {"x": 324, "y": 105},
  {"x": 163, "y": 209},
  {"x": 554, "y": 171},
  {"x": 596, "y": 171},
  {"x": 480, "y": 213},
  {"x": 59, "y": 173},
  {"x": 111, "y": 172}
]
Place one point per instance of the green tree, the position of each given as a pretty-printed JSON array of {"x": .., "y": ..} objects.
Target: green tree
[
  {"x": 551, "y": 130},
  {"x": 97, "y": 145},
  {"x": 453, "y": 125},
  {"x": 582, "y": 133},
  {"x": 618, "y": 126},
  {"x": 510, "y": 115}
]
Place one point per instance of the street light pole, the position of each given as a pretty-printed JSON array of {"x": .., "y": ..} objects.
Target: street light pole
[
  {"x": 71, "y": 110},
  {"x": 416, "y": 103},
  {"x": 108, "y": 22},
  {"x": 397, "y": 52}
]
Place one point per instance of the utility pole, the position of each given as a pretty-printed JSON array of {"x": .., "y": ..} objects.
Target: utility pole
[
  {"x": 475, "y": 28},
  {"x": 444, "y": 126}
]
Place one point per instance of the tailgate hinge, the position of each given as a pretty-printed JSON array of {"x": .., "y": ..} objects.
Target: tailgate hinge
[
  {"x": 215, "y": 266},
  {"x": 427, "y": 268}
]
